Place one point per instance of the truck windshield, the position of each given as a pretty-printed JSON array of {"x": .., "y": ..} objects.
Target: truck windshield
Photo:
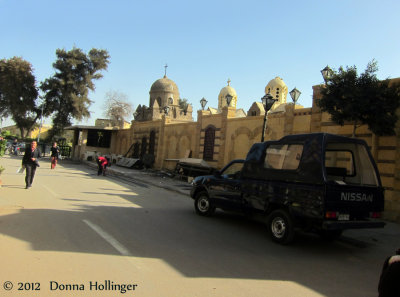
[{"x": 349, "y": 163}]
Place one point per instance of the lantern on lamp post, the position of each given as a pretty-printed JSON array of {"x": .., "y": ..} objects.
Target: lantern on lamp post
[
  {"x": 166, "y": 110},
  {"x": 228, "y": 98},
  {"x": 203, "y": 103},
  {"x": 267, "y": 101},
  {"x": 327, "y": 73},
  {"x": 295, "y": 94}
]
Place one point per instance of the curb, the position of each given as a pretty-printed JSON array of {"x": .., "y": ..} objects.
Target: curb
[{"x": 115, "y": 173}]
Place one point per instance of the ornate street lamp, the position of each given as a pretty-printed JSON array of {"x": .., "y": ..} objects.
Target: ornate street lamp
[
  {"x": 267, "y": 101},
  {"x": 327, "y": 73},
  {"x": 295, "y": 94},
  {"x": 228, "y": 98},
  {"x": 203, "y": 103},
  {"x": 166, "y": 109}
]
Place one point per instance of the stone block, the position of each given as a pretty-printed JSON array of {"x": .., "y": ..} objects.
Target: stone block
[{"x": 387, "y": 181}]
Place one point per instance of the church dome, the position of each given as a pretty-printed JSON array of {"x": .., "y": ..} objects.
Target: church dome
[
  {"x": 278, "y": 89},
  {"x": 276, "y": 83},
  {"x": 165, "y": 92},
  {"x": 228, "y": 90},
  {"x": 164, "y": 85}
]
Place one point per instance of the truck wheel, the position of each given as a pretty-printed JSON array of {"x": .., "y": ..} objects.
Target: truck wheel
[
  {"x": 202, "y": 204},
  {"x": 280, "y": 226}
]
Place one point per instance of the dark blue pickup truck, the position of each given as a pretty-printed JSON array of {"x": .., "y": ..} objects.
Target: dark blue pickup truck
[{"x": 316, "y": 182}]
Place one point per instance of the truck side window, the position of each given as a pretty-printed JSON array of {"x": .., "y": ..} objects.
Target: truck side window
[
  {"x": 233, "y": 170},
  {"x": 284, "y": 157}
]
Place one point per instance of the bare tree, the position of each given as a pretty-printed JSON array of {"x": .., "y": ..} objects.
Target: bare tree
[{"x": 117, "y": 107}]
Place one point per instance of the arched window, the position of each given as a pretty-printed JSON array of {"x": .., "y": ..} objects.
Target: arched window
[
  {"x": 144, "y": 147},
  {"x": 209, "y": 141},
  {"x": 152, "y": 142}
]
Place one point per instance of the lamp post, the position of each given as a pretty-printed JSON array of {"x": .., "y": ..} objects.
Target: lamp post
[
  {"x": 327, "y": 73},
  {"x": 41, "y": 124},
  {"x": 228, "y": 98},
  {"x": 203, "y": 103},
  {"x": 166, "y": 110},
  {"x": 295, "y": 94},
  {"x": 267, "y": 101}
]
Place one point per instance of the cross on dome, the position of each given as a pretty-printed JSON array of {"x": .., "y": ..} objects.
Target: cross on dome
[{"x": 165, "y": 72}]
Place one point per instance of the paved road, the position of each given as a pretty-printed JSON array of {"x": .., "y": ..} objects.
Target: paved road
[{"x": 73, "y": 229}]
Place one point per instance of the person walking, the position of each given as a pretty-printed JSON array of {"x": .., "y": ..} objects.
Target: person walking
[
  {"x": 102, "y": 163},
  {"x": 15, "y": 147},
  {"x": 390, "y": 277},
  {"x": 55, "y": 151},
  {"x": 30, "y": 161}
]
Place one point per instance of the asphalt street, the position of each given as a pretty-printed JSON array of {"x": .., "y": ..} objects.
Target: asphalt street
[{"x": 78, "y": 234}]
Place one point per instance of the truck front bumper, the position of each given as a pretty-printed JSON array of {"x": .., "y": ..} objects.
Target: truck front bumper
[{"x": 343, "y": 225}]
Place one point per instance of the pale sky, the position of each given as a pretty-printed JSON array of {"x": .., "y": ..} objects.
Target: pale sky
[{"x": 205, "y": 42}]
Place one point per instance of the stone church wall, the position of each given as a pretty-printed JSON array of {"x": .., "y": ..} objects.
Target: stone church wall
[{"x": 233, "y": 138}]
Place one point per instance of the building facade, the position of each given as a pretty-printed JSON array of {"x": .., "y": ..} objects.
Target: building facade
[{"x": 225, "y": 133}]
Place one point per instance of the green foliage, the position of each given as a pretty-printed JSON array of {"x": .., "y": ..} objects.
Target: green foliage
[
  {"x": 361, "y": 99},
  {"x": 6, "y": 133},
  {"x": 2, "y": 147},
  {"x": 183, "y": 104},
  {"x": 18, "y": 93},
  {"x": 2, "y": 169},
  {"x": 66, "y": 92}
]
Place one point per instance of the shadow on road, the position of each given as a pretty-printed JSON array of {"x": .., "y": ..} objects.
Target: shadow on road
[{"x": 217, "y": 247}]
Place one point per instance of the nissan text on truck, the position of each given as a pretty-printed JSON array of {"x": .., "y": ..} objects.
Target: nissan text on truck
[{"x": 316, "y": 182}]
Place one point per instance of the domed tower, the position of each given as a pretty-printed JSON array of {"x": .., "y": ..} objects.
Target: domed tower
[
  {"x": 278, "y": 89},
  {"x": 222, "y": 96},
  {"x": 165, "y": 92}
]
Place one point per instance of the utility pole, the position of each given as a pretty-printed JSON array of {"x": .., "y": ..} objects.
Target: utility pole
[{"x": 41, "y": 124}]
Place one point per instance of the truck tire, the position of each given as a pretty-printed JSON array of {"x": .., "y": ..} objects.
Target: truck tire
[
  {"x": 202, "y": 204},
  {"x": 280, "y": 225}
]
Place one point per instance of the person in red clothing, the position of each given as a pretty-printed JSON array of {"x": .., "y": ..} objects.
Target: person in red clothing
[
  {"x": 102, "y": 162},
  {"x": 55, "y": 151}
]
